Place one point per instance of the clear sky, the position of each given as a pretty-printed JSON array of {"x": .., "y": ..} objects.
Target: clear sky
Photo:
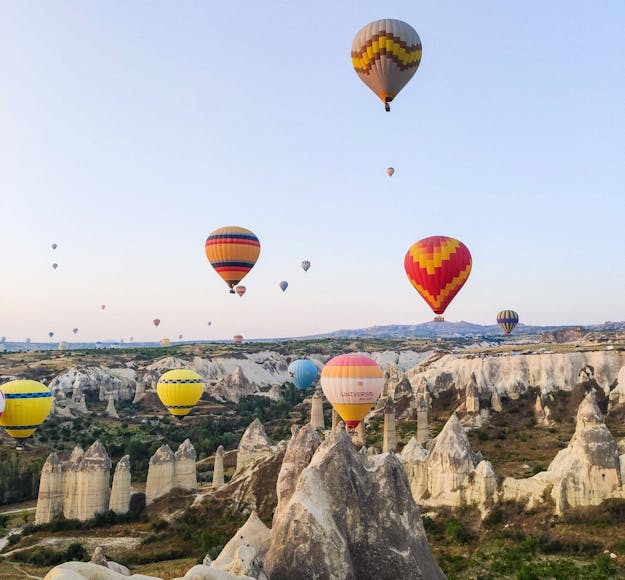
[{"x": 130, "y": 130}]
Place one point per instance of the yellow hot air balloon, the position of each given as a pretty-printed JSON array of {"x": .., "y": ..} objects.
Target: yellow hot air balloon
[
  {"x": 352, "y": 383},
  {"x": 180, "y": 390},
  {"x": 28, "y": 404},
  {"x": 165, "y": 342},
  {"x": 385, "y": 55}
]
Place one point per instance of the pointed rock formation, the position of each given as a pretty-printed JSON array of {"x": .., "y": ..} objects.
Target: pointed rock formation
[
  {"x": 405, "y": 401},
  {"x": 234, "y": 386},
  {"x": 92, "y": 489},
  {"x": 185, "y": 476},
  {"x": 345, "y": 521},
  {"x": 70, "y": 486},
  {"x": 359, "y": 436},
  {"x": 617, "y": 395},
  {"x": 160, "y": 474},
  {"x": 389, "y": 443},
  {"x": 111, "y": 411},
  {"x": 495, "y": 402},
  {"x": 316, "y": 411},
  {"x": 414, "y": 459},
  {"x": 50, "y": 500},
  {"x": 423, "y": 405},
  {"x": 542, "y": 413},
  {"x": 218, "y": 469},
  {"x": 254, "y": 445},
  {"x": 120, "y": 491},
  {"x": 139, "y": 392},
  {"x": 335, "y": 420},
  {"x": 471, "y": 396}
]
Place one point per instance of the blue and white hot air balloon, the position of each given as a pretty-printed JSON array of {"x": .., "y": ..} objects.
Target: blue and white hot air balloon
[{"x": 303, "y": 373}]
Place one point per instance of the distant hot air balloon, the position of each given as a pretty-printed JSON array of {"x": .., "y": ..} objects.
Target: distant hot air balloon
[
  {"x": 438, "y": 267},
  {"x": 390, "y": 171},
  {"x": 62, "y": 345},
  {"x": 305, "y": 265},
  {"x": 385, "y": 55},
  {"x": 232, "y": 251},
  {"x": 209, "y": 323},
  {"x": 156, "y": 321},
  {"x": 132, "y": 338},
  {"x": 165, "y": 342},
  {"x": 54, "y": 246},
  {"x": 28, "y": 404},
  {"x": 180, "y": 337},
  {"x": 283, "y": 285},
  {"x": 303, "y": 373},
  {"x": 102, "y": 306},
  {"x": 240, "y": 290},
  {"x": 75, "y": 330},
  {"x": 507, "y": 319},
  {"x": 180, "y": 390},
  {"x": 352, "y": 383},
  {"x": 27, "y": 340},
  {"x": 55, "y": 266},
  {"x": 50, "y": 334},
  {"x": 237, "y": 339}
]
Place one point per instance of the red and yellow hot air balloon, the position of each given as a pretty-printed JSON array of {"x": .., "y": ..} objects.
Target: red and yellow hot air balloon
[
  {"x": 438, "y": 267},
  {"x": 352, "y": 383},
  {"x": 237, "y": 339},
  {"x": 232, "y": 251}
]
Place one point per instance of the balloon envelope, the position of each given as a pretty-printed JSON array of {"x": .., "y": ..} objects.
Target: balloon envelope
[
  {"x": 385, "y": 55},
  {"x": 180, "y": 390},
  {"x": 438, "y": 267},
  {"x": 50, "y": 334},
  {"x": 305, "y": 265},
  {"x": 352, "y": 383},
  {"x": 156, "y": 322},
  {"x": 75, "y": 330},
  {"x": 28, "y": 404},
  {"x": 55, "y": 266},
  {"x": 165, "y": 342},
  {"x": 303, "y": 373},
  {"x": 390, "y": 171},
  {"x": 102, "y": 306},
  {"x": 507, "y": 319},
  {"x": 237, "y": 339},
  {"x": 54, "y": 246},
  {"x": 240, "y": 290},
  {"x": 232, "y": 251},
  {"x": 284, "y": 285}
]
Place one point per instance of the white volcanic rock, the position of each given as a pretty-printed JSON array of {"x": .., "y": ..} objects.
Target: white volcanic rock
[
  {"x": 414, "y": 459},
  {"x": 472, "y": 400},
  {"x": 160, "y": 474},
  {"x": 234, "y": 386},
  {"x": 274, "y": 393},
  {"x": 89, "y": 571},
  {"x": 116, "y": 383},
  {"x": 50, "y": 500},
  {"x": 92, "y": 483},
  {"x": 204, "y": 572},
  {"x": 218, "y": 469},
  {"x": 70, "y": 486},
  {"x": 184, "y": 471},
  {"x": 111, "y": 411},
  {"x": 316, "y": 410},
  {"x": 120, "y": 490},
  {"x": 162, "y": 365},
  {"x": 389, "y": 443},
  {"x": 512, "y": 374},
  {"x": 346, "y": 521},
  {"x": 495, "y": 402},
  {"x": 254, "y": 445},
  {"x": 586, "y": 473},
  {"x": 617, "y": 395},
  {"x": 244, "y": 553}
]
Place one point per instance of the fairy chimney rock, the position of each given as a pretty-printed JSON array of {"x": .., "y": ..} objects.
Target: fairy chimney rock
[
  {"x": 389, "y": 443},
  {"x": 316, "y": 411},
  {"x": 472, "y": 399},
  {"x": 495, "y": 402},
  {"x": 111, "y": 411},
  {"x": 50, "y": 500},
  {"x": 184, "y": 473},
  {"x": 160, "y": 474},
  {"x": 92, "y": 485},
  {"x": 70, "y": 484},
  {"x": 254, "y": 445},
  {"x": 120, "y": 490},
  {"x": 218, "y": 469}
]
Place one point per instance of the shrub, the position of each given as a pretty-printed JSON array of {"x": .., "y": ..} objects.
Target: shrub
[{"x": 75, "y": 552}]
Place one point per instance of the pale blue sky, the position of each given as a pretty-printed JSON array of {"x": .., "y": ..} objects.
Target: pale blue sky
[{"x": 130, "y": 130}]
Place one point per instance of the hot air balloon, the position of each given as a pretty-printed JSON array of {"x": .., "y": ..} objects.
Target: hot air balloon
[
  {"x": 164, "y": 342},
  {"x": 28, "y": 403},
  {"x": 237, "y": 339},
  {"x": 283, "y": 285},
  {"x": 438, "y": 267},
  {"x": 390, "y": 171},
  {"x": 240, "y": 290},
  {"x": 132, "y": 338},
  {"x": 2, "y": 403},
  {"x": 156, "y": 322},
  {"x": 303, "y": 373},
  {"x": 54, "y": 246},
  {"x": 102, "y": 306},
  {"x": 385, "y": 55},
  {"x": 27, "y": 340},
  {"x": 507, "y": 319},
  {"x": 232, "y": 251},
  {"x": 75, "y": 330},
  {"x": 305, "y": 265},
  {"x": 209, "y": 323},
  {"x": 50, "y": 334},
  {"x": 352, "y": 383},
  {"x": 180, "y": 337},
  {"x": 55, "y": 266},
  {"x": 180, "y": 390}
]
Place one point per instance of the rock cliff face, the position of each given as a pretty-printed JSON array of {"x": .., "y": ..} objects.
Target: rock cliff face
[
  {"x": 586, "y": 473},
  {"x": 254, "y": 445},
  {"x": 324, "y": 526},
  {"x": 513, "y": 374},
  {"x": 118, "y": 384},
  {"x": 50, "y": 500}
]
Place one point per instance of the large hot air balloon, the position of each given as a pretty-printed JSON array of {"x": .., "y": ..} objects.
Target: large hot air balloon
[
  {"x": 232, "y": 251},
  {"x": 50, "y": 334},
  {"x": 283, "y": 285},
  {"x": 240, "y": 290},
  {"x": 55, "y": 266},
  {"x": 305, "y": 265},
  {"x": 28, "y": 403},
  {"x": 156, "y": 322},
  {"x": 390, "y": 171},
  {"x": 165, "y": 342},
  {"x": 180, "y": 390},
  {"x": 352, "y": 383},
  {"x": 2, "y": 403},
  {"x": 507, "y": 319},
  {"x": 303, "y": 373},
  {"x": 438, "y": 267},
  {"x": 75, "y": 330},
  {"x": 237, "y": 339},
  {"x": 385, "y": 55},
  {"x": 54, "y": 246}
]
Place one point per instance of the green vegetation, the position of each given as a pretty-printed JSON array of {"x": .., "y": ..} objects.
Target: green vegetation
[{"x": 19, "y": 479}]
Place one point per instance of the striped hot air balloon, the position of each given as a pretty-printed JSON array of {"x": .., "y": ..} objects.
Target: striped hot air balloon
[
  {"x": 232, "y": 251},
  {"x": 180, "y": 390},
  {"x": 352, "y": 383},
  {"x": 305, "y": 265},
  {"x": 303, "y": 373},
  {"x": 28, "y": 404},
  {"x": 507, "y": 319},
  {"x": 237, "y": 339},
  {"x": 438, "y": 267},
  {"x": 385, "y": 55},
  {"x": 390, "y": 171}
]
